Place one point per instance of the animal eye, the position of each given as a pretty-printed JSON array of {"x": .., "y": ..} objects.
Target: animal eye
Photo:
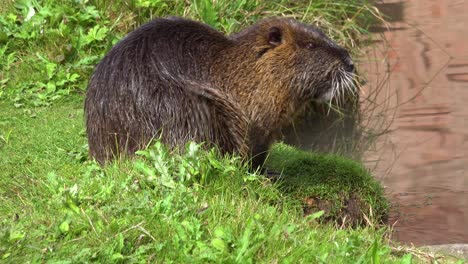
[{"x": 310, "y": 45}]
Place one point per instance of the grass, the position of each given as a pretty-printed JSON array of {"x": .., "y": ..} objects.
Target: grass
[
  {"x": 49, "y": 48},
  {"x": 196, "y": 207},
  {"x": 57, "y": 206}
]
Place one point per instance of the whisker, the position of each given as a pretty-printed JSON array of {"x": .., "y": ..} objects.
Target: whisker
[
  {"x": 333, "y": 83},
  {"x": 342, "y": 85}
]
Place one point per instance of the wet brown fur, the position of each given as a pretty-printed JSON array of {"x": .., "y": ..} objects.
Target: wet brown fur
[{"x": 180, "y": 80}]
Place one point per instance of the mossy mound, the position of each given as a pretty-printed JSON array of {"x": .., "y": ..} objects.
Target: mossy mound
[{"x": 342, "y": 188}]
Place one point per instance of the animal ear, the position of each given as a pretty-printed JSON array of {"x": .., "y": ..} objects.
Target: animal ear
[{"x": 275, "y": 36}]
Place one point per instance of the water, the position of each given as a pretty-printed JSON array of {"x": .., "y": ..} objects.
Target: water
[{"x": 423, "y": 160}]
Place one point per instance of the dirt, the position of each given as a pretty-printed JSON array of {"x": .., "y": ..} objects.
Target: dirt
[{"x": 350, "y": 214}]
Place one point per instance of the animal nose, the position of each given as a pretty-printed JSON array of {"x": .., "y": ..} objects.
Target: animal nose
[
  {"x": 347, "y": 61},
  {"x": 350, "y": 65}
]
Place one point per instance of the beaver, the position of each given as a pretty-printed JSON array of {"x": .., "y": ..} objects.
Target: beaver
[{"x": 179, "y": 80}]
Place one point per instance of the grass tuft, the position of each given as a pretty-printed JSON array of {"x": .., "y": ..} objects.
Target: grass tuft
[{"x": 342, "y": 187}]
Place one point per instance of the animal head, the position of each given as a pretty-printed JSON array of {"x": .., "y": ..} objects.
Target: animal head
[{"x": 303, "y": 59}]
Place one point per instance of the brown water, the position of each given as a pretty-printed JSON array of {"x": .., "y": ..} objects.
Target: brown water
[{"x": 423, "y": 161}]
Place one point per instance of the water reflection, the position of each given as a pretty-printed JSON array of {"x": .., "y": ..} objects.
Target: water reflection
[
  {"x": 393, "y": 12},
  {"x": 423, "y": 160}
]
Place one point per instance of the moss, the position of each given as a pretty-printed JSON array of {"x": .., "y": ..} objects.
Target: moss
[{"x": 343, "y": 188}]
